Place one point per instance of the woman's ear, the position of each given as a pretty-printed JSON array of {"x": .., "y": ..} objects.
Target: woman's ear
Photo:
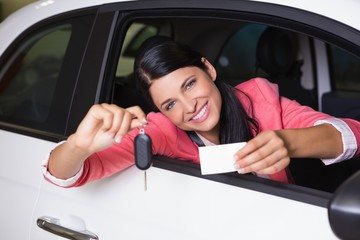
[{"x": 210, "y": 69}]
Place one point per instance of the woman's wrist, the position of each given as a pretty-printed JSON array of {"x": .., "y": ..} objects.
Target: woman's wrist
[
  {"x": 321, "y": 141},
  {"x": 67, "y": 159},
  {"x": 78, "y": 151}
]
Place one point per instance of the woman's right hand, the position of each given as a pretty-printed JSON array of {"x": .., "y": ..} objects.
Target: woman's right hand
[{"x": 104, "y": 125}]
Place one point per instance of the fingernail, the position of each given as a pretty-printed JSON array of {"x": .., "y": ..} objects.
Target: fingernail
[
  {"x": 236, "y": 166},
  {"x": 144, "y": 121},
  {"x": 118, "y": 139},
  {"x": 241, "y": 170}
]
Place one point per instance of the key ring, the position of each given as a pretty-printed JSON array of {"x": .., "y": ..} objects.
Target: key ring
[{"x": 142, "y": 130}]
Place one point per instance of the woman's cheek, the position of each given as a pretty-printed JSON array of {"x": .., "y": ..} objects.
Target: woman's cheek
[{"x": 173, "y": 115}]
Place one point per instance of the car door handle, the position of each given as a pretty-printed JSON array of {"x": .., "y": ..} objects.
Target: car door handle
[{"x": 53, "y": 225}]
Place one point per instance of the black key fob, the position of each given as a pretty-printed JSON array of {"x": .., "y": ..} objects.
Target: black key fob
[{"x": 143, "y": 151}]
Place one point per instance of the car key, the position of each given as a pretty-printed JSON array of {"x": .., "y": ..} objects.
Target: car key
[{"x": 143, "y": 153}]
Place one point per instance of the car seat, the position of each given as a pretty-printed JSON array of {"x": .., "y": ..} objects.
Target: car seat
[{"x": 276, "y": 55}]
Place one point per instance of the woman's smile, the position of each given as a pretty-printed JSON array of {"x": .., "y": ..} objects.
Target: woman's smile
[{"x": 202, "y": 114}]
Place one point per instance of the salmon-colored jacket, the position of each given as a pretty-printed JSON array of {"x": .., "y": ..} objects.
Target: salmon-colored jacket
[{"x": 270, "y": 110}]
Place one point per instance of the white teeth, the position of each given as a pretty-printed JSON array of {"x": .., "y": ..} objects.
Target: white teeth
[{"x": 201, "y": 113}]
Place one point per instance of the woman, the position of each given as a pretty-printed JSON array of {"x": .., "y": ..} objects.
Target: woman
[{"x": 182, "y": 86}]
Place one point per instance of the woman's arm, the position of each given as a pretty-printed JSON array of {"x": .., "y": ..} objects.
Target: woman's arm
[
  {"x": 102, "y": 126},
  {"x": 270, "y": 151}
]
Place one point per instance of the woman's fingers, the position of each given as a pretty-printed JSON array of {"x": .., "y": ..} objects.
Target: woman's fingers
[
  {"x": 139, "y": 117},
  {"x": 276, "y": 167},
  {"x": 265, "y": 165},
  {"x": 106, "y": 123},
  {"x": 123, "y": 120},
  {"x": 132, "y": 117},
  {"x": 265, "y": 154}
]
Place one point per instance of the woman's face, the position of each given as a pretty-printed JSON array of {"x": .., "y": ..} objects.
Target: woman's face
[{"x": 190, "y": 99}]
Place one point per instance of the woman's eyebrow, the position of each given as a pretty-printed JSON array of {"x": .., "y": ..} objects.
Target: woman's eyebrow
[
  {"x": 165, "y": 102},
  {"x": 181, "y": 87},
  {"x": 186, "y": 80}
]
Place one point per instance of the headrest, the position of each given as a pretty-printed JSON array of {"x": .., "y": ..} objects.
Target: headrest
[{"x": 276, "y": 51}]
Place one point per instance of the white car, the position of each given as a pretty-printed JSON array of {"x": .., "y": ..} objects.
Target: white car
[{"x": 57, "y": 58}]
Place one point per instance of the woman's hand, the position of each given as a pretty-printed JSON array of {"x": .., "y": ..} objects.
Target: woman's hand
[
  {"x": 104, "y": 125},
  {"x": 270, "y": 151},
  {"x": 267, "y": 153}
]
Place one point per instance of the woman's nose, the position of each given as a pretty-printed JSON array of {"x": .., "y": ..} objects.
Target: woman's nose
[{"x": 190, "y": 105}]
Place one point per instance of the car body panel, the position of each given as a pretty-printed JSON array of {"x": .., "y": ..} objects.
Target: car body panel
[
  {"x": 178, "y": 206},
  {"x": 20, "y": 180}
]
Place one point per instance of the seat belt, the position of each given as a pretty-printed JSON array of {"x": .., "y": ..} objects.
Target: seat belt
[{"x": 195, "y": 138}]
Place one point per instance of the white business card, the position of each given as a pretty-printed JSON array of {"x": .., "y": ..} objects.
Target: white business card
[{"x": 218, "y": 158}]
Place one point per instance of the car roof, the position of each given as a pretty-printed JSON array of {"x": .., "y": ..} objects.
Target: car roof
[{"x": 345, "y": 12}]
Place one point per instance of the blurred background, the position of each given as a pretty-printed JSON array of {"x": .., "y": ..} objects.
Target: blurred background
[{"x": 9, "y": 6}]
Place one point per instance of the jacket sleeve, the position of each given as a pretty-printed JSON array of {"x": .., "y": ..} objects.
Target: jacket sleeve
[{"x": 355, "y": 128}]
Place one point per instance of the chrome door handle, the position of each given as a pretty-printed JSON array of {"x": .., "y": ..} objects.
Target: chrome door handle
[{"x": 53, "y": 225}]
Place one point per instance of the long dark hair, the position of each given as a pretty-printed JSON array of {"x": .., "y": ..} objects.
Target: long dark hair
[{"x": 159, "y": 56}]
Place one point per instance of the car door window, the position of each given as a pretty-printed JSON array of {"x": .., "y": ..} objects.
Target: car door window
[
  {"x": 39, "y": 76},
  {"x": 245, "y": 50},
  {"x": 29, "y": 81}
]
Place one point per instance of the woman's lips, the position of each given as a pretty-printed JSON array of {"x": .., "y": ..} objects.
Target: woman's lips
[{"x": 202, "y": 114}]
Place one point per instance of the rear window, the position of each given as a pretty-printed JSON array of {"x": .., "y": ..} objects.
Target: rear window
[{"x": 38, "y": 78}]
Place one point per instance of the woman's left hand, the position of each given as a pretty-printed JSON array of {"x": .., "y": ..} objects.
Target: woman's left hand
[{"x": 267, "y": 153}]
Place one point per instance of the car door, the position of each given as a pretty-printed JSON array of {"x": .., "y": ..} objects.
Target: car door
[
  {"x": 38, "y": 75},
  {"x": 179, "y": 202}
]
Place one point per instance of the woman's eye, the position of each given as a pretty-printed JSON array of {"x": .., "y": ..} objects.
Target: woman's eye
[
  {"x": 190, "y": 84},
  {"x": 170, "y": 106}
]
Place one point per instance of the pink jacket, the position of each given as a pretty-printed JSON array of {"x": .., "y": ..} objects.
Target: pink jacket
[{"x": 270, "y": 110}]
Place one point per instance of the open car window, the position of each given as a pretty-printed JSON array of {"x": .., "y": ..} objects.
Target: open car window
[{"x": 242, "y": 50}]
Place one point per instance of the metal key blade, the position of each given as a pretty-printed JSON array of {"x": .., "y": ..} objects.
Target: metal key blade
[{"x": 145, "y": 181}]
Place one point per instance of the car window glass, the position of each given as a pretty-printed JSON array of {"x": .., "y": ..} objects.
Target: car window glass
[
  {"x": 345, "y": 69},
  {"x": 29, "y": 80},
  {"x": 37, "y": 79}
]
